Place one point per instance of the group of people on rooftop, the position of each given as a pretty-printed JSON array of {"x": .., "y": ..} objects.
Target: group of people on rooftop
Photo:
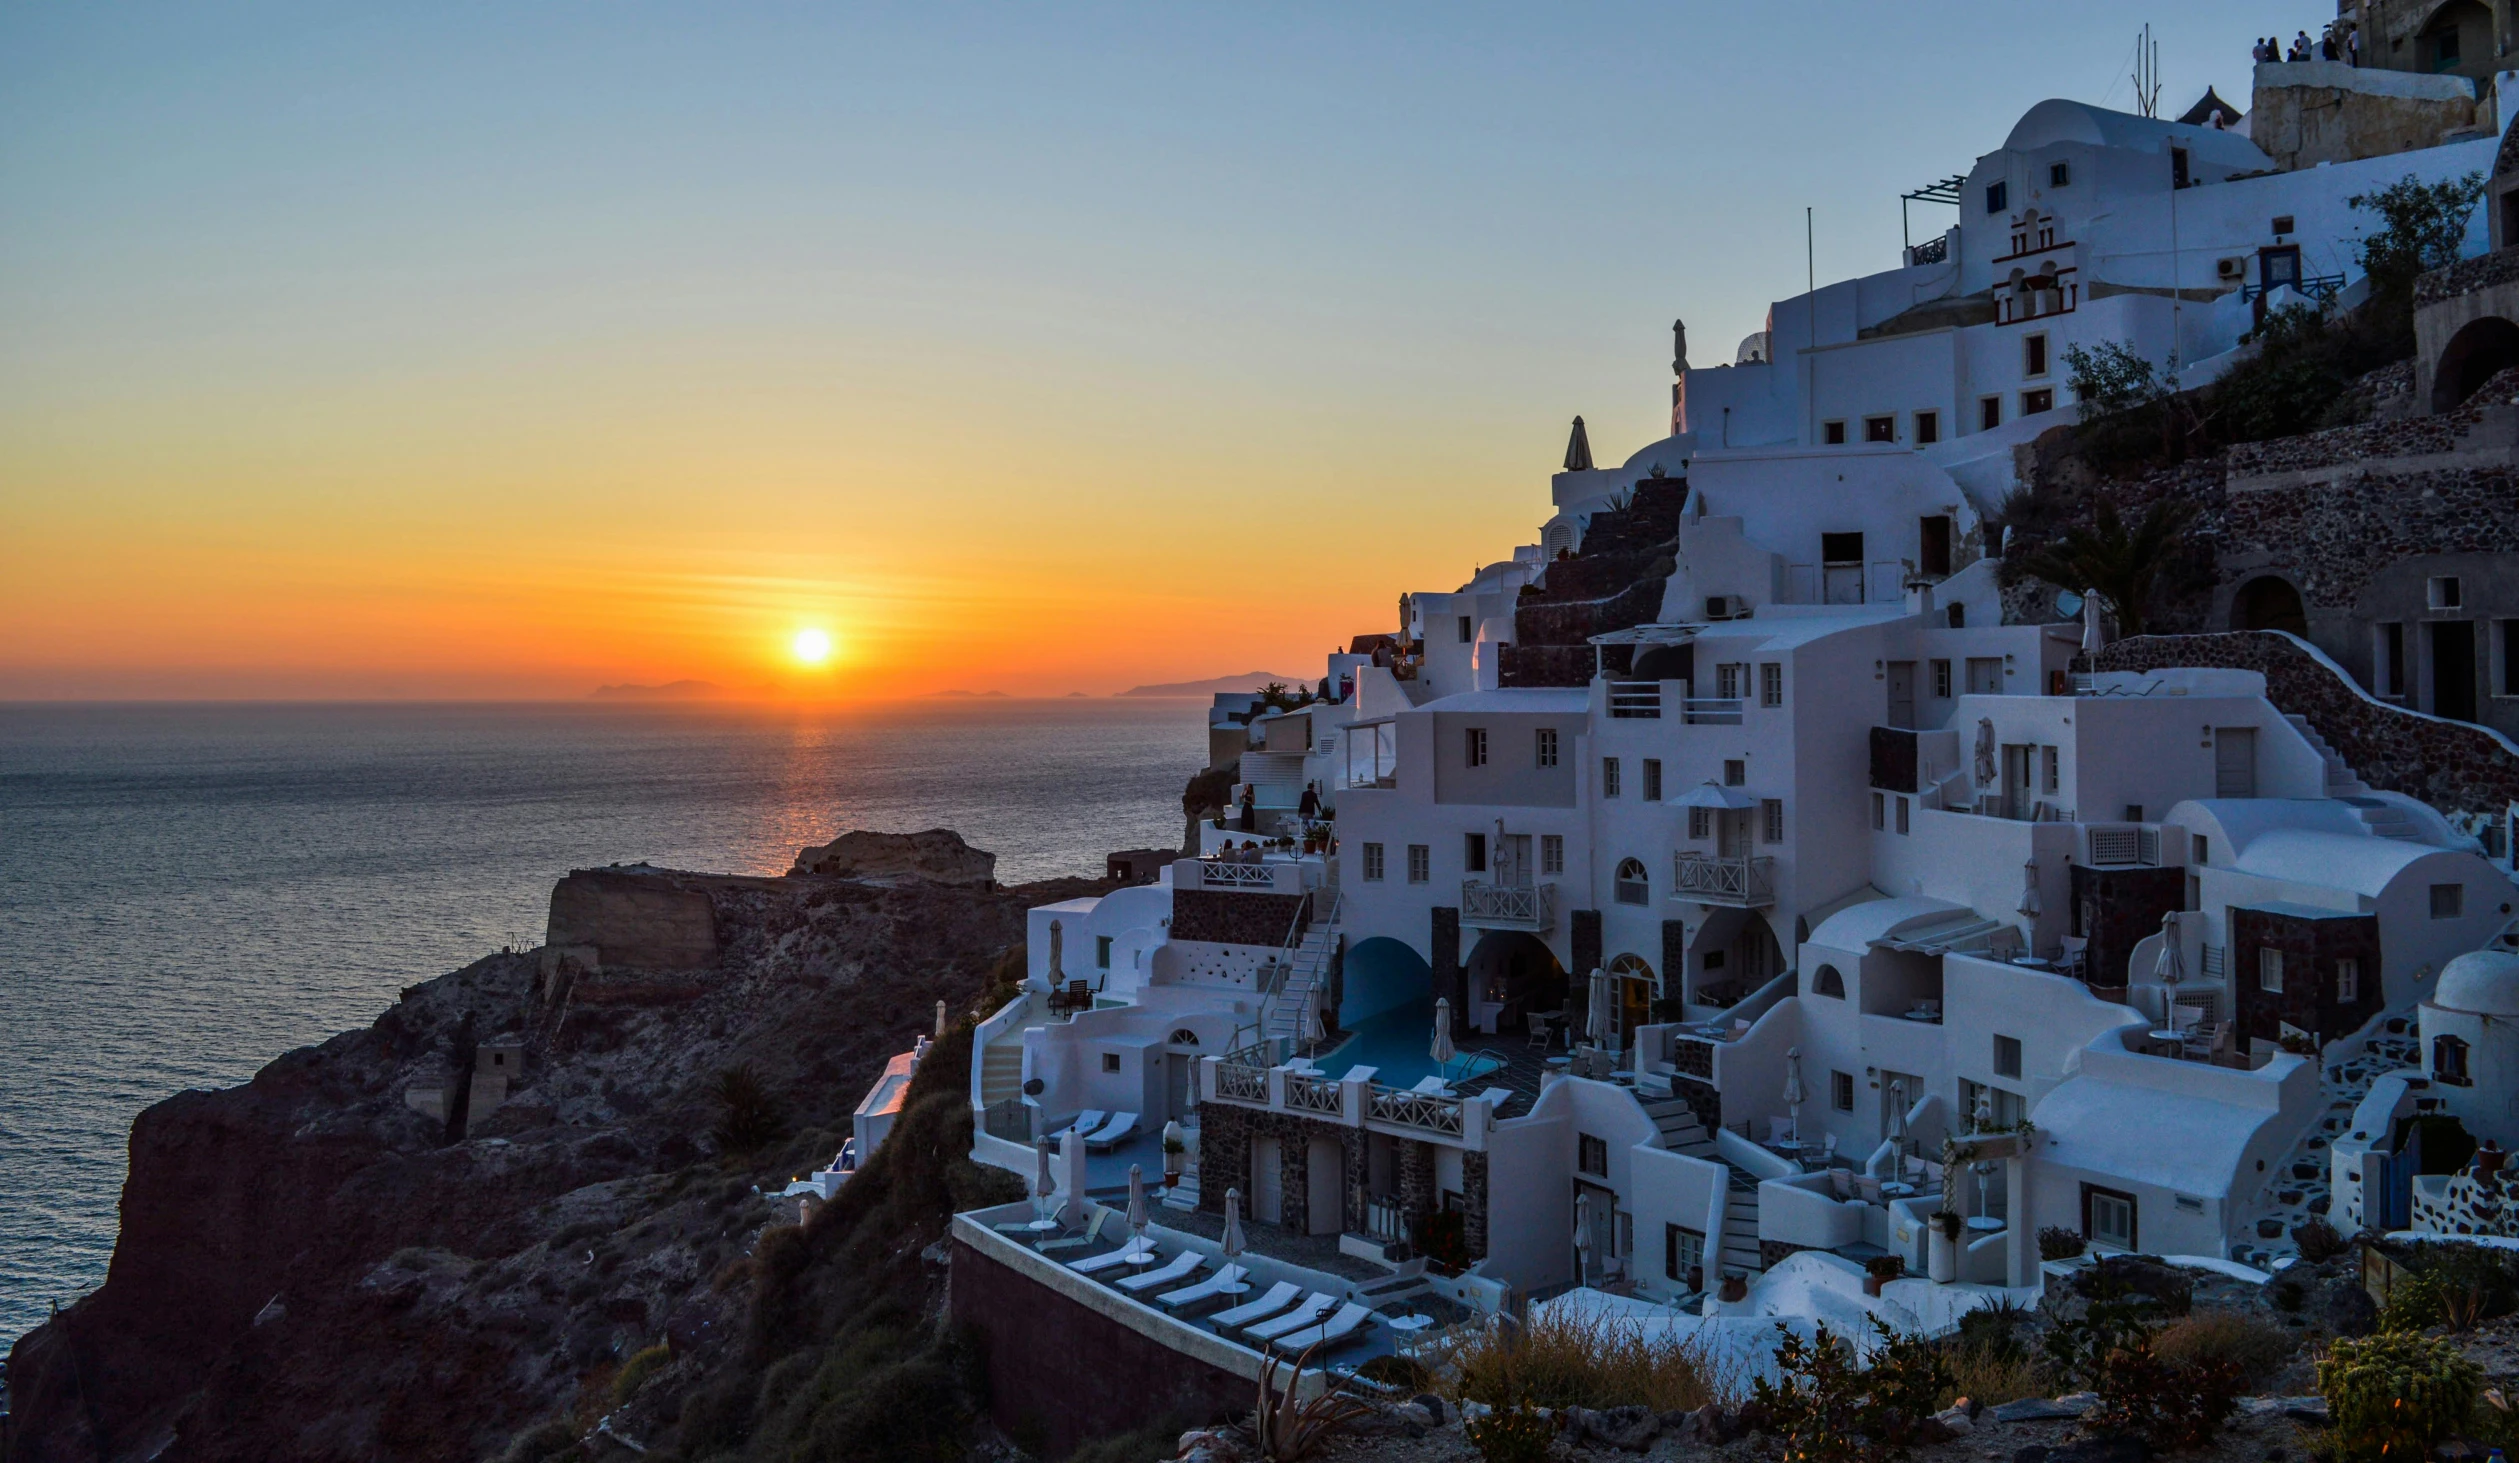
[{"x": 2342, "y": 41}]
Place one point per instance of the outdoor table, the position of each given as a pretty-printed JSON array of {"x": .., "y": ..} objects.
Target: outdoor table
[{"x": 1984, "y": 1223}]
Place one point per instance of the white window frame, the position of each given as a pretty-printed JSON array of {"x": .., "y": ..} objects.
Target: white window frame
[
  {"x": 1552, "y": 853},
  {"x": 1420, "y": 863},
  {"x": 1373, "y": 863}
]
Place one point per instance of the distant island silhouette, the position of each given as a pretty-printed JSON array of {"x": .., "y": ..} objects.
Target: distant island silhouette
[
  {"x": 669, "y": 691},
  {"x": 1247, "y": 681},
  {"x": 969, "y": 695}
]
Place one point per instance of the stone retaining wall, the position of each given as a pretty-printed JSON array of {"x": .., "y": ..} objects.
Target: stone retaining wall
[
  {"x": 2450, "y": 765},
  {"x": 1237, "y": 917}
]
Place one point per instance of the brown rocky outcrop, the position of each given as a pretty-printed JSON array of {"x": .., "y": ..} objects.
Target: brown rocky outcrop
[
  {"x": 308, "y": 1268},
  {"x": 936, "y": 856}
]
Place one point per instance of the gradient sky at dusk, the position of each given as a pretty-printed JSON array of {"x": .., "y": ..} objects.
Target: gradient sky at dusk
[{"x": 502, "y": 350}]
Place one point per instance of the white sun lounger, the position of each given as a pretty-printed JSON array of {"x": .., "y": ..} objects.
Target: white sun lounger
[
  {"x": 1315, "y": 1306},
  {"x": 1086, "y": 1121},
  {"x": 1105, "y": 1261},
  {"x": 1110, "y": 1134},
  {"x": 1214, "y": 1285},
  {"x": 1280, "y": 1296},
  {"x": 1179, "y": 1267},
  {"x": 1338, "y": 1328}
]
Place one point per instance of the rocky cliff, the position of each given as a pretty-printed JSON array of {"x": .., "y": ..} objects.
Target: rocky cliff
[{"x": 318, "y": 1264}]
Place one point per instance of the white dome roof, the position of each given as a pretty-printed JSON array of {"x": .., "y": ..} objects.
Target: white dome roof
[{"x": 2485, "y": 982}]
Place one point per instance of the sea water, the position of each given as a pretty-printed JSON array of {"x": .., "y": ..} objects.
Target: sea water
[{"x": 188, "y": 891}]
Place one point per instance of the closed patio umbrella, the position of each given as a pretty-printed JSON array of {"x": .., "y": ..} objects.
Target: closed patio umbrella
[
  {"x": 2094, "y": 634},
  {"x": 2029, "y": 904},
  {"x": 1583, "y": 1239},
  {"x": 1442, "y": 1051},
  {"x": 2170, "y": 970},
  {"x": 1138, "y": 1253},
  {"x": 1599, "y": 1024},
  {"x": 1985, "y": 754},
  {"x": 1898, "y": 1120},
  {"x": 1793, "y": 1094},
  {"x": 940, "y": 1020},
  {"x": 1234, "y": 1244},
  {"x": 1044, "y": 1189}
]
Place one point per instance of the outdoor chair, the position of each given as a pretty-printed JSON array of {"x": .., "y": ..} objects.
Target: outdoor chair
[
  {"x": 1338, "y": 1328},
  {"x": 1315, "y": 1306},
  {"x": 1179, "y": 1267},
  {"x": 1086, "y": 1121},
  {"x": 1118, "y": 1130},
  {"x": 1220, "y": 1283},
  {"x": 1538, "y": 1027},
  {"x": 1101, "y": 1262},
  {"x": 1281, "y": 1295},
  {"x": 1092, "y": 1232}
]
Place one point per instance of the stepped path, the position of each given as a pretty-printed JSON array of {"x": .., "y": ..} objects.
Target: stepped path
[
  {"x": 1738, "y": 1252},
  {"x": 2296, "y": 1188}
]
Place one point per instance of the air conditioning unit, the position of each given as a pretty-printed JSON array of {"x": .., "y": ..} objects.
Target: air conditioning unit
[
  {"x": 2233, "y": 268},
  {"x": 1726, "y": 607}
]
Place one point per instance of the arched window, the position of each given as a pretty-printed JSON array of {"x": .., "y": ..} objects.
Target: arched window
[
  {"x": 1185, "y": 1037},
  {"x": 1630, "y": 884},
  {"x": 2449, "y": 1061},
  {"x": 1827, "y": 982}
]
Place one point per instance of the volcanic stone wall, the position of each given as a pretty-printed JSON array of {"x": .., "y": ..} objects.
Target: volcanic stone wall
[{"x": 1615, "y": 583}]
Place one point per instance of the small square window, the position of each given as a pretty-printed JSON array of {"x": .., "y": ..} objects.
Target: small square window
[
  {"x": 1591, "y": 1155},
  {"x": 1880, "y": 812},
  {"x": 1880, "y": 429},
  {"x": 1771, "y": 812},
  {"x": 1700, "y": 823},
  {"x": 1609, "y": 777},
  {"x": 1474, "y": 745},
  {"x": 2282, "y": 224},
  {"x": 1474, "y": 852},
  {"x": 1547, "y": 753},
  {"x": 1111, "y": 1062},
  {"x": 1373, "y": 862},
  {"x": 2449, "y": 901},
  {"x": 2059, "y": 175},
  {"x": 2007, "y": 1056},
  {"x": 2446, "y": 592},
  {"x": 1469, "y": 629},
  {"x": 1770, "y": 684},
  {"x": 2033, "y": 357},
  {"x": 2052, "y": 775},
  {"x": 1989, "y": 413},
  {"x": 1102, "y": 952},
  {"x": 1652, "y": 779},
  {"x": 1941, "y": 679},
  {"x": 1735, "y": 773},
  {"x": 2270, "y": 970},
  {"x": 1928, "y": 428},
  {"x": 1841, "y": 1091},
  {"x": 1420, "y": 863},
  {"x": 1998, "y": 196},
  {"x": 1552, "y": 853},
  {"x": 1833, "y": 434},
  {"x": 1902, "y": 816},
  {"x": 2034, "y": 402},
  {"x": 2348, "y": 982}
]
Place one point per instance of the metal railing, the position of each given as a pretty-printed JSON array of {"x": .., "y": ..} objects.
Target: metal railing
[
  {"x": 1509, "y": 906},
  {"x": 1314, "y": 1094},
  {"x": 1635, "y": 700},
  {"x": 1421, "y": 1110},
  {"x": 2315, "y": 286},
  {"x": 1931, "y": 251},
  {"x": 1711, "y": 879},
  {"x": 1711, "y": 711}
]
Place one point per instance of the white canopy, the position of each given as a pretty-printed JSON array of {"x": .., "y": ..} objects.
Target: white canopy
[{"x": 1714, "y": 795}]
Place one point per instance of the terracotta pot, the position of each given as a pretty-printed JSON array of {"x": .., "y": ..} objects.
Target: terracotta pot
[
  {"x": 1872, "y": 1284},
  {"x": 2489, "y": 1159},
  {"x": 1735, "y": 1287}
]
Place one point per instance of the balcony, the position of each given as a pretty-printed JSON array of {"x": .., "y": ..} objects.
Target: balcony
[
  {"x": 1635, "y": 700},
  {"x": 1509, "y": 906},
  {"x": 1738, "y": 883},
  {"x": 1711, "y": 711}
]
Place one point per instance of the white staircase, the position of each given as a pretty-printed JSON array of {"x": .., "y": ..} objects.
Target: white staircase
[
  {"x": 2384, "y": 818},
  {"x": 1183, "y": 1195},
  {"x": 1738, "y": 1250},
  {"x": 1001, "y": 1071},
  {"x": 1740, "y": 1228},
  {"x": 1307, "y": 963},
  {"x": 1680, "y": 1130}
]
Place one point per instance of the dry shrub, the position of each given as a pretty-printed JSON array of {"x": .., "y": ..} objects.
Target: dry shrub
[
  {"x": 2259, "y": 1348},
  {"x": 1992, "y": 1372},
  {"x": 1559, "y": 1360}
]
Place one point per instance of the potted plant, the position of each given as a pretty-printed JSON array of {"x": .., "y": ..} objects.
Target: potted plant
[
  {"x": 1175, "y": 1148},
  {"x": 1735, "y": 1288},
  {"x": 1880, "y": 1270},
  {"x": 1942, "y": 1247}
]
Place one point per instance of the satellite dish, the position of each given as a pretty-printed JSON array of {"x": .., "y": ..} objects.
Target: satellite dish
[
  {"x": 2067, "y": 603},
  {"x": 1034, "y": 1088}
]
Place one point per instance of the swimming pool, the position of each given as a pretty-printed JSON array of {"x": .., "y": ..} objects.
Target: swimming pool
[{"x": 1398, "y": 1045}]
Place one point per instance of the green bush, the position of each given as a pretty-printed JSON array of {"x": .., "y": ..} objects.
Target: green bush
[
  {"x": 1405, "y": 1373},
  {"x": 748, "y": 1116},
  {"x": 2055, "y": 1242},
  {"x": 635, "y": 1371},
  {"x": 2395, "y": 1394},
  {"x": 1516, "y": 1434},
  {"x": 2169, "y": 1405},
  {"x": 2318, "y": 1241}
]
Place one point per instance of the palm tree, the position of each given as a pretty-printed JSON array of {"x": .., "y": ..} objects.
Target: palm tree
[{"x": 2104, "y": 555}]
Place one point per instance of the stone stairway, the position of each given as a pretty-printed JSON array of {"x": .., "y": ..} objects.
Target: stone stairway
[
  {"x": 1183, "y": 1195},
  {"x": 1001, "y": 1071},
  {"x": 1740, "y": 1253},
  {"x": 1680, "y": 1130},
  {"x": 2296, "y": 1188}
]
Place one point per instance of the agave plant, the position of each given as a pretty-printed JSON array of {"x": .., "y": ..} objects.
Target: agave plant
[{"x": 1287, "y": 1430}]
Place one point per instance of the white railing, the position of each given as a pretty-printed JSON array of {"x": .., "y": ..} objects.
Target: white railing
[
  {"x": 1509, "y": 906},
  {"x": 1635, "y": 700},
  {"x": 2122, "y": 845},
  {"x": 1709, "y": 879},
  {"x": 1235, "y": 1083},
  {"x": 1402, "y": 1108},
  {"x": 1711, "y": 711},
  {"x": 1314, "y": 1094},
  {"x": 1216, "y": 874},
  {"x": 1384, "y": 1221}
]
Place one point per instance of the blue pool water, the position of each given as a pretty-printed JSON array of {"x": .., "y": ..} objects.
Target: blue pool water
[{"x": 1399, "y": 1045}]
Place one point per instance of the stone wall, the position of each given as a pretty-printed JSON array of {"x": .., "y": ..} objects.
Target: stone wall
[
  {"x": 2448, "y": 764},
  {"x": 2312, "y": 112},
  {"x": 634, "y": 919},
  {"x": 2311, "y": 948},
  {"x": 1583, "y": 940},
  {"x": 1614, "y": 583},
  {"x": 2116, "y": 909},
  {"x": 1235, "y": 917},
  {"x": 1031, "y": 1338},
  {"x": 1449, "y": 981}
]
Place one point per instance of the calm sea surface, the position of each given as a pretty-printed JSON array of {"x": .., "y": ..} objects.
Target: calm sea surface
[{"x": 188, "y": 891}]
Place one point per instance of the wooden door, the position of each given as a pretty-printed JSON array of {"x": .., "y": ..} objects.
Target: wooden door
[
  {"x": 2235, "y": 762},
  {"x": 1268, "y": 1195},
  {"x": 1902, "y": 693}
]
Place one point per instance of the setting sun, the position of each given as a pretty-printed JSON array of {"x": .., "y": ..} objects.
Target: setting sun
[{"x": 810, "y": 647}]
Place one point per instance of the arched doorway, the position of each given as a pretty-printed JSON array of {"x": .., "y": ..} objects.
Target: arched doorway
[
  {"x": 2480, "y": 349},
  {"x": 2268, "y": 603},
  {"x": 1632, "y": 987},
  {"x": 2457, "y": 38},
  {"x": 1513, "y": 975},
  {"x": 1733, "y": 954}
]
